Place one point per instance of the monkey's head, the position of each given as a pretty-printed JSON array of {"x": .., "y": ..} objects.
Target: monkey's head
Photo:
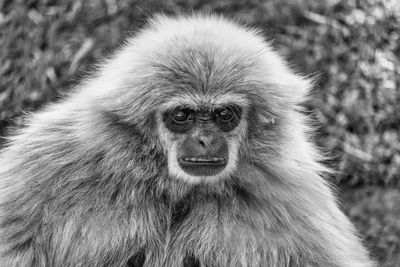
[
  {"x": 210, "y": 95},
  {"x": 202, "y": 136}
]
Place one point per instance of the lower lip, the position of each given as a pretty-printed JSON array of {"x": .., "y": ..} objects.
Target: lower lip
[
  {"x": 203, "y": 161},
  {"x": 203, "y": 167}
]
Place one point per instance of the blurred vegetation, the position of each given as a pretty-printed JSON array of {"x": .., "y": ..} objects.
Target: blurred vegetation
[{"x": 351, "y": 47}]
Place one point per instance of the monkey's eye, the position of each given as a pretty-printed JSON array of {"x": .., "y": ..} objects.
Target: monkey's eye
[
  {"x": 227, "y": 118},
  {"x": 182, "y": 116},
  {"x": 225, "y": 115}
]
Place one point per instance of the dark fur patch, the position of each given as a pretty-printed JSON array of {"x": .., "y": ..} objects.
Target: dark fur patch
[
  {"x": 191, "y": 261},
  {"x": 180, "y": 211},
  {"x": 115, "y": 194},
  {"x": 115, "y": 121},
  {"x": 22, "y": 246},
  {"x": 137, "y": 260},
  {"x": 243, "y": 194},
  {"x": 146, "y": 145}
]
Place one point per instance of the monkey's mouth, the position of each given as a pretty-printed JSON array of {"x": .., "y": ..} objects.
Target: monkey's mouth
[
  {"x": 201, "y": 160},
  {"x": 202, "y": 166}
]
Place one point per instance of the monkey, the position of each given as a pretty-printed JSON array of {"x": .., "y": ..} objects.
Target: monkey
[{"x": 188, "y": 147}]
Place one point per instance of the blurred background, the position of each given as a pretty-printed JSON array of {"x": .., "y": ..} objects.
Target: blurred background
[{"x": 351, "y": 47}]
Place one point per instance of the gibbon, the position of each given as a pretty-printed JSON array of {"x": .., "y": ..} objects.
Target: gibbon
[{"x": 188, "y": 147}]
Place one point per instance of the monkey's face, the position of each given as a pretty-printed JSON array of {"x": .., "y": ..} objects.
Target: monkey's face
[{"x": 202, "y": 141}]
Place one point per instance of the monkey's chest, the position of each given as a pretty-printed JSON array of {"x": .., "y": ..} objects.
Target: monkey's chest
[{"x": 210, "y": 236}]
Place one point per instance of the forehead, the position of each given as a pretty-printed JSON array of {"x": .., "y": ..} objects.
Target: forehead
[
  {"x": 207, "y": 69},
  {"x": 206, "y": 77},
  {"x": 211, "y": 101}
]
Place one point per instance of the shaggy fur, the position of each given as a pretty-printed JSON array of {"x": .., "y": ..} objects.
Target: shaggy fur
[{"x": 87, "y": 182}]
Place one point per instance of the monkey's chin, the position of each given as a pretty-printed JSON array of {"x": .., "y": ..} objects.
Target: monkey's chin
[{"x": 202, "y": 167}]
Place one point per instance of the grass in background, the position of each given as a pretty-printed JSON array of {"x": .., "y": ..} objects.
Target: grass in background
[{"x": 351, "y": 47}]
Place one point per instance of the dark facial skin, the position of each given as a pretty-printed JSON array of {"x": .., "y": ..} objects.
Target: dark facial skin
[{"x": 204, "y": 148}]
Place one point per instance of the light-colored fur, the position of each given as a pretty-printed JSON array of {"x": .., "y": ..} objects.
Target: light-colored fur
[{"x": 88, "y": 182}]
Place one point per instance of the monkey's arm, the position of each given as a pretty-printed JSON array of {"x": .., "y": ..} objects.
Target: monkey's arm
[{"x": 327, "y": 237}]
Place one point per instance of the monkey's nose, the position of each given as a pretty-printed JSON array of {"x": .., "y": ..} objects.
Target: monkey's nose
[
  {"x": 210, "y": 145},
  {"x": 204, "y": 145},
  {"x": 204, "y": 141}
]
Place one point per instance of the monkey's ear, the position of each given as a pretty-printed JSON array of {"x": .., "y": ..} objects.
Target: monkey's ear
[{"x": 267, "y": 119}]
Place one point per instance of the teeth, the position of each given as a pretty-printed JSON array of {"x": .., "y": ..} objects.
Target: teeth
[{"x": 203, "y": 159}]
